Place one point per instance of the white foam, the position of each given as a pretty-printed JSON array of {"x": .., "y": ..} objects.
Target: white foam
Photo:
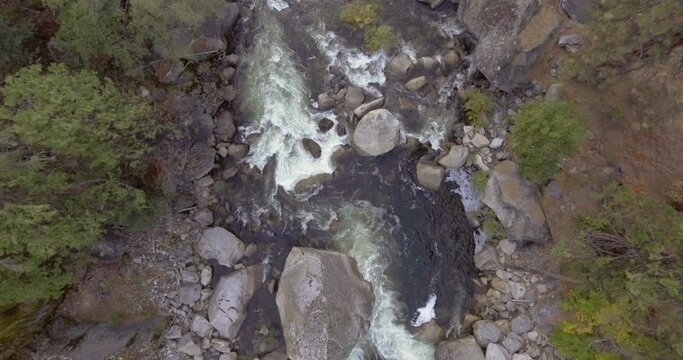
[
  {"x": 276, "y": 93},
  {"x": 426, "y": 313},
  {"x": 362, "y": 229},
  {"x": 277, "y": 5},
  {"x": 469, "y": 196},
  {"x": 360, "y": 68}
]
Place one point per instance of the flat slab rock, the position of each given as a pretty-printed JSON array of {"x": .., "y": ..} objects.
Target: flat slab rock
[{"x": 228, "y": 303}]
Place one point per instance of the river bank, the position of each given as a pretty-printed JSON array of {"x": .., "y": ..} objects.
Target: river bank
[{"x": 294, "y": 148}]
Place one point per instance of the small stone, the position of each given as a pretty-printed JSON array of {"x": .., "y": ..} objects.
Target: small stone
[
  {"x": 430, "y": 174},
  {"x": 499, "y": 284},
  {"x": 416, "y": 83},
  {"x": 517, "y": 290},
  {"x": 325, "y": 125},
  {"x": 222, "y": 346},
  {"x": 227, "y": 73},
  {"x": 532, "y": 336},
  {"x": 487, "y": 259},
  {"x": 513, "y": 342},
  {"x": 571, "y": 42},
  {"x": 521, "y": 324},
  {"x": 496, "y": 352},
  {"x": 232, "y": 59},
  {"x": 200, "y": 326},
  {"x": 555, "y": 92},
  {"x": 326, "y": 101},
  {"x": 496, "y": 143},
  {"x": 223, "y": 151},
  {"x": 189, "y": 293},
  {"x": 455, "y": 158},
  {"x": 174, "y": 332},
  {"x": 451, "y": 59},
  {"x": 230, "y": 356},
  {"x": 206, "y": 275},
  {"x": 230, "y": 93},
  {"x": 251, "y": 249},
  {"x": 480, "y": 140},
  {"x": 507, "y": 247},
  {"x": 204, "y": 217},
  {"x": 189, "y": 276},
  {"x": 522, "y": 356},
  {"x": 187, "y": 346},
  {"x": 238, "y": 151},
  {"x": 486, "y": 332},
  {"x": 312, "y": 147}
]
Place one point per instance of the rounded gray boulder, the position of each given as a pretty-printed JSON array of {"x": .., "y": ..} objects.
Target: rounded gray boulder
[
  {"x": 377, "y": 133},
  {"x": 324, "y": 303}
]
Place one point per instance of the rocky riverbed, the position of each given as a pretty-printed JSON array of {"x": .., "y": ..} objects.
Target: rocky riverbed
[{"x": 323, "y": 205}]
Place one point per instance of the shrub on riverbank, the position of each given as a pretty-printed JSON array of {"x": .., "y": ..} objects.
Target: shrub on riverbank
[
  {"x": 624, "y": 35},
  {"x": 477, "y": 107},
  {"x": 630, "y": 258},
  {"x": 365, "y": 17},
  {"x": 13, "y": 39},
  {"x": 69, "y": 145},
  {"x": 125, "y": 34},
  {"x": 545, "y": 133}
]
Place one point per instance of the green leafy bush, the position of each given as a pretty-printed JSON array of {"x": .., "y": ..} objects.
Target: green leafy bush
[
  {"x": 379, "y": 37},
  {"x": 491, "y": 226},
  {"x": 359, "y": 15},
  {"x": 629, "y": 305},
  {"x": 545, "y": 133},
  {"x": 62, "y": 183},
  {"x": 12, "y": 41},
  {"x": 479, "y": 180},
  {"x": 623, "y": 34},
  {"x": 126, "y": 35},
  {"x": 477, "y": 107}
]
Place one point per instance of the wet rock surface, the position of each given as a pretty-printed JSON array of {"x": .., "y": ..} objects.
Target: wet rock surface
[{"x": 324, "y": 303}]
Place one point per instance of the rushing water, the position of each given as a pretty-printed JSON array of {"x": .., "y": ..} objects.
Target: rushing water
[{"x": 414, "y": 246}]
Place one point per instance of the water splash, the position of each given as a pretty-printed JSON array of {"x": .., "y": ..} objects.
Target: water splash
[
  {"x": 276, "y": 94},
  {"x": 363, "y": 233}
]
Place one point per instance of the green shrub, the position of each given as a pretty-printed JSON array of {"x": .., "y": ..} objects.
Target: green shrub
[
  {"x": 379, "y": 37},
  {"x": 477, "y": 107},
  {"x": 491, "y": 226},
  {"x": 125, "y": 36},
  {"x": 545, "y": 133},
  {"x": 629, "y": 303},
  {"x": 12, "y": 42},
  {"x": 79, "y": 138},
  {"x": 623, "y": 34},
  {"x": 359, "y": 15},
  {"x": 479, "y": 180}
]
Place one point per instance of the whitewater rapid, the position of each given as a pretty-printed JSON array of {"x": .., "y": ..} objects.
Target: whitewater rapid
[{"x": 275, "y": 93}]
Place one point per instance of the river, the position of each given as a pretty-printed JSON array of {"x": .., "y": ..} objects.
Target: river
[{"x": 415, "y": 246}]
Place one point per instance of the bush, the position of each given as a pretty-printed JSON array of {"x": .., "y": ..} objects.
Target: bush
[
  {"x": 380, "y": 37},
  {"x": 359, "y": 15},
  {"x": 491, "y": 226},
  {"x": 479, "y": 180},
  {"x": 624, "y": 34},
  {"x": 544, "y": 133},
  {"x": 125, "y": 35},
  {"x": 62, "y": 184},
  {"x": 630, "y": 256},
  {"x": 12, "y": 42},
  {"x": 477, "y": 107}
]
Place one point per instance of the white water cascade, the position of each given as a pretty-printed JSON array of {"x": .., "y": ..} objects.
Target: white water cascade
[
  {"x": 364, "y": 234},
  {"x": 276, "y": 93}
]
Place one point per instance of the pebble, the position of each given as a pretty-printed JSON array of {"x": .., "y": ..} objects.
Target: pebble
[
  {"x": 496, "y": 352},
  {"x": 221, "y": 345},
  {"x": 507, "y": 247},
  {"x": 174, "y": 332},
  {"x": 522, "y": 324},
  {"x": 187, "y": 346},
  {"x": 513, "y": 342},
  {"x": 486, "y": 332},
  {"x": 206, "y": 275},
  {"x": 517, "y": 290},
  {"x": 496, "y": 143}
]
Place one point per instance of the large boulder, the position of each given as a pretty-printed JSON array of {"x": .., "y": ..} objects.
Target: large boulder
[
  {"x": 399, "y": 67},
  {"x": 511, "y": 36},
  {"x": 228, "y": 303},
  {"x": 460, "y": 349},
  {"x": 377, "y": 133},
  {"x": 220, "y": 244},
  {"x": 429, "y": 174},
  {"x": 324, "y": 303},
  {"x": 455, "y": 158},
  {"x": 515, "y": 202}
]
